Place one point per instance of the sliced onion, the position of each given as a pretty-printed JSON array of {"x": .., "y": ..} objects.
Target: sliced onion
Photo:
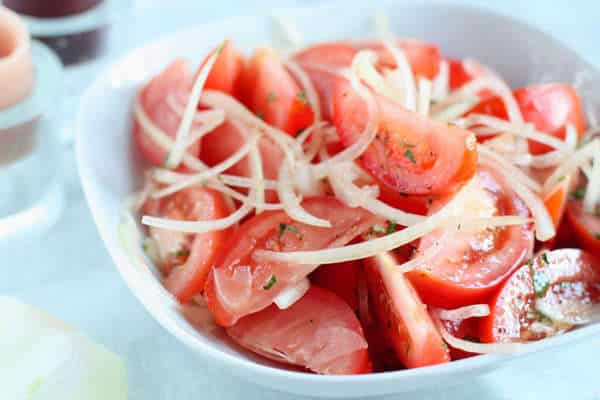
[
  {"x": 241, "y": 198},
  {"x": 291, "y": 204},
  {"x": 441, "y": 83},
  {"x": 201, "y": 117},
  {"x": 592, "y": 193},
  {"x": 424, "y": 96},
  {"x": 162, "y": 139},
  {"x": 478, "y": 348},
  {"x": 498, "y": 162},
  {"x": 402, "y": 75},
  {"x": 258, "y": 179},
  {"x": 364, "y": 139},
  {"x": 570, "y": 164},
  {"x": 210, "y": 173},
  {"x": 286, "y": 298},
  {"x": 162, "y": 175},
  {"x": 311, "y": 93},
  {"x": 363, "y": 66},
  {"x": 472, "y": 311},
  {"x": 179, "y": 146},
  {"x": 386, "y": 243},
  {"x": 568, "y": 312},
  {"x": 455, "y": 110},
  {"x": 198, "y": 226}
]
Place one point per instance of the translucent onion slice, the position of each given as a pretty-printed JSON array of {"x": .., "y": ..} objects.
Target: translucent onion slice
[
  {"x": 544, "y": 227},
  {"x": 472, "y": 311},
  {"x": 162, "y": 175},
  {"x": 424, "y": 96},
  {"x": 500, "y": 163},
  {"x": 403, "y": 75},
  {"x": 291, "y": 203},
  {"x": 567, "y": 312},
  {"x": 441, "y": 83},
  {"x": 456, "y": 110},
  {"x": 291, "y": 294},
  {"x": 592, "y": 193},
  {"x": 197, "y": 179},
  {"x": 198, "y": 226},
  {"x": 179, "y": 146},
  {"x": 258, "y": 178},
  {"x": 162, "y": 139},
  {"x": 478, "y": 348},
  {"x": 306, "y": 83},
  {"x": 388, "y": 242},
  {"x": 577, "y": 159},
  {"x": 556, "y": 157},
  {"x": 201, "y": 117},
  {"x": 243, "y": 199},
  {"x": 364, "y": 139},
  {"x": 363, "y": 66}
]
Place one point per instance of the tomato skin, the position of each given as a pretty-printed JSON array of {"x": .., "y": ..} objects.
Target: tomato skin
[
  {"x": 467, "y": 329},
  {"x": 186, "y": 274},
  {"x": 236, "y": 286},
  {"x": 270, "y": 92},
  {"x": 411, "y": 153},
  {"x": 510, "y": 308},
  {"x": 461, "y": 72},
  {"x": 341, "y": 279},
  {"x": 584, "y": 226},
  {"x": 402, "y": 316},
  {"x": 471, "y": 266},
  {"x": 319, "y": 332},
  {"x": 227, "y": 69},
  {"x": 174, "y": 80}
]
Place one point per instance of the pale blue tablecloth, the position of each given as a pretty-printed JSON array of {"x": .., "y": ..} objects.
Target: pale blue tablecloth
[{"x": 70, "y": 274}]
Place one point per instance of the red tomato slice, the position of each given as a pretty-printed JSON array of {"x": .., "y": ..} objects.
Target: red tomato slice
[
  {"x": 225, "y": 140},
  {"x": 423, "y": 57},
  {"x": 226, "y": 71},
  {"x": 411, "y": 153},
  {"x": 550, "y": 107},
  {"x": 466, "y": 267},
  {"x": 341, "y": 279},
  {"x": 175, "y": 80},
  {"x": 461, "y": 72},
  {"x": 556, "y": 201},
  {"x": 408, "y": 326},
  {"x": 187, "y": 258},
  {"x": 319, "y": 332},
  {"x": 560, "y": 275},
  {"x": 585, "y": 226},
  {"x": 240, "y": 284},
  {"x": 467, "y": 329},
  {"x": 271, "y": 93}
]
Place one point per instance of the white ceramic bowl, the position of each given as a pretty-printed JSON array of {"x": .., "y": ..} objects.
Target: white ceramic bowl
[{"x": 110, "y": 170}]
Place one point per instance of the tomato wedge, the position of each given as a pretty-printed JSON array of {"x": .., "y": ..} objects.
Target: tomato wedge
[
  {"x": 462, "y": 72},
  {"x": 466, "y": 329},
  {"x": 175, "y": 80},
  {"x": 557, "y": 277},
  {"x": 227, "y": 69},
  {"x": 584, "y": 225},
  {"x": 341, "y": 278},
  {"x": 240, "y": 284},
  {"x": 319, "y": 332},
  {"x": 402, "y": 316},
  {"x": 462, "y": 268},
  {"x": 270, "y": 92},
  {"x": 185, "y": 259},
  {"x": 550, "y": 107},
  {"x": 423, "y": 57},
  {"x": 411, "y": 154}
]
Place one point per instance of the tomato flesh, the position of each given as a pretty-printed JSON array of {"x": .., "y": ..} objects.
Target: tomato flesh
[
  {"x": 411, "y": 154},
  {"x": 270, "y": 92},
  {"x": 319, "y": 332},
  {"x": 584, "y": 225},
  {"x": 226, "y": 71},
  {"x": 340, "y": 278},
  {"x": 462, "y": 268},
  {"x": 569, "y": 274},
  {"x": 239, "y": 283},
  {"x": 466, "y": 329},
  {"x": 176, "y": 80},
  {"x": 185, "y": 259}
]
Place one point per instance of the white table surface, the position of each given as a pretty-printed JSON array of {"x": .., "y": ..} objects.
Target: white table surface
[{"x": 69, "y": 273}]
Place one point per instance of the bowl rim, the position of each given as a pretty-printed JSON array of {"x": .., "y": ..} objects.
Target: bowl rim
[{"x": 226, "y": 359}]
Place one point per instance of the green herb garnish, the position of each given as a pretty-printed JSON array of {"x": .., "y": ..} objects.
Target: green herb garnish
[
  {"x": 302, "y": 96},
  {"x": 286, "y": 227},
  {"x": 182, "y": 253},
  {"x": 391, "y": 227},
  {"x": 578, "y": 194},
  {"x": 272, "y": 281},
  {"x": 597, "y": 236},
  {"x": 272, "y": 97},
  {"x": 409, "y": 154},
  {"x": 545, "y": 258}
]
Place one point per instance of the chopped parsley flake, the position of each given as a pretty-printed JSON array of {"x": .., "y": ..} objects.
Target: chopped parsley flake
[
  {"x": 272, "y": 281},
  {"x": 391, "y": 227},
  {"x": 302, "y": 96},
  {"x": 597, "y": 236},
  {"x": 541, "y": 283},
  {"x": 409, "y": 154},
  {"x": 272, "y": 97},
  {"x": 261, "y": 115},
  {"x": 545, "y": 258},
  {"x": 578, "y": 194},
  {"x": 286, "y": 227},
  {"x": 182, "y": 253}
]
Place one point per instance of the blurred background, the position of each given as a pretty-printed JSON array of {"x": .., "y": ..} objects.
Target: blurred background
[{"x": 68, "y": 272}]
